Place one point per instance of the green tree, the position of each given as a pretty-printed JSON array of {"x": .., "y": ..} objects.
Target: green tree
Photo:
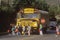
[
  {"x": 17, "y": 4},
  {"x": 54, "y": 10},
  {"x": 6, "y": 7},
  {"x": 41, "y": 4}
]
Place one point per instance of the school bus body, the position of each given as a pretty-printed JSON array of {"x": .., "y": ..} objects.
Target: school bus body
[{"x": 31, "y": 18}]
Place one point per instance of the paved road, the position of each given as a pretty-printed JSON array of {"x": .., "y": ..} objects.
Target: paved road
[{"x": 32, "y": 37}]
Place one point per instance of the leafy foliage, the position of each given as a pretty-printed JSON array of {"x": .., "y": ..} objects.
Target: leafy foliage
[
  {"x": 17, "y": 4},
  {"x": 54, "y": 10},
  {"x": 41, "y": 4}
]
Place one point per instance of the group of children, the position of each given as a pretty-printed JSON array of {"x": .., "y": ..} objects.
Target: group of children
[
  {"x": 19, "y": 30},
  {"x": 27, "y": 29}
]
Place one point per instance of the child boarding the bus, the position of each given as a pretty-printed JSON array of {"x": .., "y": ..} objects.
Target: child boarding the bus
[{"x": 40, "y": 29}]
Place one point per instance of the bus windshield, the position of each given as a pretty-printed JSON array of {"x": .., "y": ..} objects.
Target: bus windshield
[{"x": 35, "y": 15}]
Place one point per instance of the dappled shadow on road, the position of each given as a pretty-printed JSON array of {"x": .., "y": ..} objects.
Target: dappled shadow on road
[
  {"x": 31, "y": 37},
  {"x": 12, "y": 36}
]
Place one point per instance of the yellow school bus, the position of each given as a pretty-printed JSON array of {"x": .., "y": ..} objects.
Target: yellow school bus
[{"x": 29, "y": 16}]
